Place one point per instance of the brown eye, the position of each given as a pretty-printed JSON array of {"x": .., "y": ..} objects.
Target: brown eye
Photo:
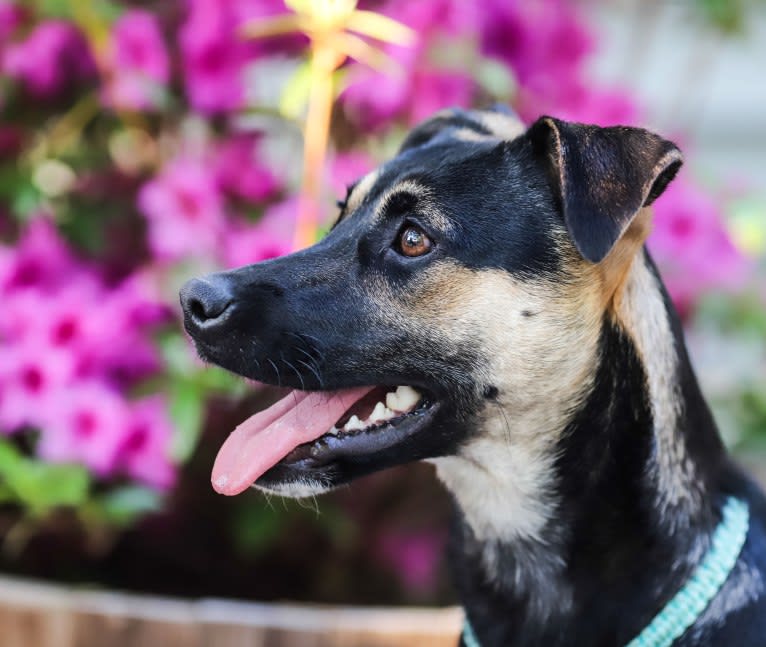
[{"x": 414, "y": 242}]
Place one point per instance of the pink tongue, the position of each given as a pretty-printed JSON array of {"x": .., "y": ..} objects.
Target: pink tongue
[{"x": 261, "y": 441}]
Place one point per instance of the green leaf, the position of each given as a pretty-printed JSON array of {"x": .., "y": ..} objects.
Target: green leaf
[
  {"x": 126, "y": 504},
  {"x": 40, "y": 486},
  {"x": 256, "y": 527},
  {"x": 726, "y": 15},
  {"x": 186, "y": 411}
]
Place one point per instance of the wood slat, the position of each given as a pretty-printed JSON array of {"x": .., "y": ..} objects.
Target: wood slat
[{"x": 34, "y": 614}]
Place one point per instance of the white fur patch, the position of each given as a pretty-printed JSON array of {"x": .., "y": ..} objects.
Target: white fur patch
[
  {"x": 501, "y": 125},
  {"x": 543, "y": 366},
  {"x": 302, "y": 489},
  {"x": 641, "y": 312}
]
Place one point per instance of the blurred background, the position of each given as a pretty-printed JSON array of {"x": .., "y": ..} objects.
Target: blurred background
[{"x": 142, "y": 143}]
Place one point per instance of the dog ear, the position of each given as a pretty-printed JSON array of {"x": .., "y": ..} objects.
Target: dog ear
[
  {"x": 603, "y": 176},
  {"x": 498, "y": 121}
]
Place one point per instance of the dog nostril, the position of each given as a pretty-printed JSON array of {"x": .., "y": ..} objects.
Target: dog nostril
[
  {"x": 205, "y": 311},
  {"x": 205, "y": 301}
]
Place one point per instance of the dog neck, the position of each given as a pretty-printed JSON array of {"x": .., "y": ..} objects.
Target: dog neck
[{"x": 560, "y": 537}]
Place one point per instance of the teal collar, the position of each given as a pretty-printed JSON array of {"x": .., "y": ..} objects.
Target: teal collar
[{"x": 688, "y": 604}]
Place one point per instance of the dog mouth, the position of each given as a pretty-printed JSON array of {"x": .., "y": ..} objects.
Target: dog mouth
[{"x": 315, "y": 428}]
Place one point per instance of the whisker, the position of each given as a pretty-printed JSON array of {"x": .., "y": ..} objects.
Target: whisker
[
  {"x": 314, "y": 371},
  {"x": 276, "y": 371},
  {"x": 300, "y": 377},
  {"x": 309, "y": 355},
  {"x": 304, "y": 336}
]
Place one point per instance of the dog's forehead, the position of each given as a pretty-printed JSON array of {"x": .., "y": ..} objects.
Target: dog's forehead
[
  {"x": 446, "y": 166},
  {"x": 488, "y": 199}
]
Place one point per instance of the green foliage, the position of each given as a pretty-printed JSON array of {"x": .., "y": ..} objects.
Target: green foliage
[
  {"x": 122, "y": 506},
  {"x": 728, "y": 16},
  {"x": 37, "y": 486},
  {"x": 189, "y": 385}
]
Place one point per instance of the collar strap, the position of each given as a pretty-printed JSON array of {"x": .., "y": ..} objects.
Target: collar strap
[{"x": 687, "y": 605}]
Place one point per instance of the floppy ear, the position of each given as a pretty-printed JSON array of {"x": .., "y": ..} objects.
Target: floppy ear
[{"x": 603, "y": 177}]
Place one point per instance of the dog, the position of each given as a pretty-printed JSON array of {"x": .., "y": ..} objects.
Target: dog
[{"x": 485, "y": 302}]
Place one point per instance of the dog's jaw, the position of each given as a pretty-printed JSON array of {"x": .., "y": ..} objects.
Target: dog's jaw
[{"x": 526, "y": 515}]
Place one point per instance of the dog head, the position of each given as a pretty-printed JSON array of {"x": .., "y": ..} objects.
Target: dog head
[{"x": 458, "y": 297}]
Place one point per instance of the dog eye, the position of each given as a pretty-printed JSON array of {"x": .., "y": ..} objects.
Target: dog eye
[{"x": 414, "y": 242}]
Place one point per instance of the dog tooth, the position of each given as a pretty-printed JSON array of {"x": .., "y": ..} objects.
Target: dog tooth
[
  {"x": 403, "y": 399},
  {"x": 381, "y": 412},
  {"x": 392, "y": 402},
  {"x": 334, "y": 431},
  {"x": 353, "y": 424},
  {"x": 378, "y": 413}
]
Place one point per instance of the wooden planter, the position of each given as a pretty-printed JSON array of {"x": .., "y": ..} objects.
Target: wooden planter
[{"x": 34, "y": 614}]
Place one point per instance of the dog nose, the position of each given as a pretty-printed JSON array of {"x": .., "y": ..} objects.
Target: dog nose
[{"x": 206, "y": 302}]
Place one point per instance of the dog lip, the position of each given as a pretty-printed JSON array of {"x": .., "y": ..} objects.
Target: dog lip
[{"x": 329, "y": 448}]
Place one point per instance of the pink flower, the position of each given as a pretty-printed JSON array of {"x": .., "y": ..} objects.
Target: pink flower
[
  {"x": 11, "y": 16},
  {"x": 418, "y": 87},
  {"x": 270, "y": 237},
  {"x": 214, "y": 57},
  {"x": 536, "y": 39},
  {"x": 41, "y": 259},
  {"x": 138, "y": 62},
  {"x": 30, "y": 374},
  {"x": 144, "y": 450},
  {"x": 50, "y": 59},
  {"x": 117, "y": 348},
  {"x": 84, "y": 423},
  {"x": 346, "y": 168},
  {"x": 215, "y": 54},
  {"x": 692, "y": 247},
  {"x": 184, "y": 209},
  {"x": 240, "y": 171},
  {"x": 414, "y": 557}
]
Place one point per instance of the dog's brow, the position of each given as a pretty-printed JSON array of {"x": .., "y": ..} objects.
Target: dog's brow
[
  {"x": 421, "y": 194},
  {"x": 360, "y": 189}
]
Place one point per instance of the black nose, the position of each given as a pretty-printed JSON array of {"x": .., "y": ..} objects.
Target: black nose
[{"x": 206, "y": 302}]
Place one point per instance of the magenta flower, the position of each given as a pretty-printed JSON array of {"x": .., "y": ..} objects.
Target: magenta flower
[
  {"x": 144, "y": 449},
  {"x": 414, "y": 557},
  {"x": 214, "y": 57},
  {"x": 30, "y": 375},
  {"x": 241, "y": 172},
  {"x": 41, "y": 259},
  {"x": 184, "y": 209},
  {"x": 117, "y": 348},
  {"x": 138, "y": 62},
  {"x": 11, "y": 16},
  {"x": 419, "y": 87},
  {"x": 270, "y": 237},
  {"x": 215, "y": 54},
  {"x": 84, "y": 423},
  {"x": 52, "y": 58},
  {"x": 346, "y": 168},
  {"x": 693, "y": 248}
]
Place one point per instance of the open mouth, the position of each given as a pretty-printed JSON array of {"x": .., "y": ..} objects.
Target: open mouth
[{"x": 318, "y": 426}]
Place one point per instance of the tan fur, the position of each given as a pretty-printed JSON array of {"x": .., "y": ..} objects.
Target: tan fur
[
  {"x": 613, "y": 272},
  {"x": 640, "y": 311},
  {"x": 542, "y": 366},
  {"x": 361, "y": 190},
  {"x": 503, "y": 126},
  {"x": 426, "y": 207}
]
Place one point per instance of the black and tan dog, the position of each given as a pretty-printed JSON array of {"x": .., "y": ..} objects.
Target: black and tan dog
[{"x": 485, "y": 302}]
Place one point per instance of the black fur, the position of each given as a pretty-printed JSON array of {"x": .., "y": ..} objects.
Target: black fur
[{"x": 349, "y": 311}]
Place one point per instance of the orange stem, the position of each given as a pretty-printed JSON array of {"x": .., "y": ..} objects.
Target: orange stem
[{"x": 324, "y": 61}]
